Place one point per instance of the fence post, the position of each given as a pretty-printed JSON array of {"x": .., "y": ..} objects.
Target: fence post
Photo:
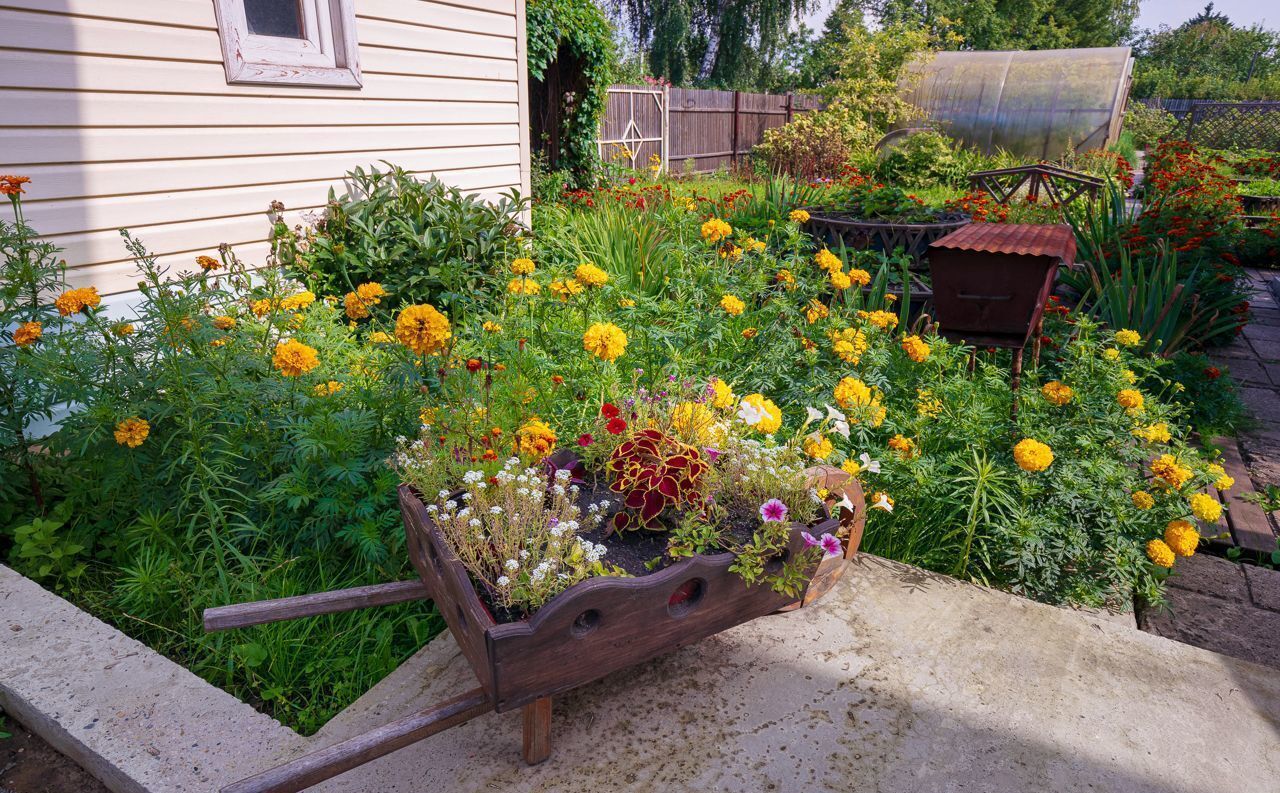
[
  {"x": 734, "y": 140},
  {"x": 666, "y": 127},
  {"x": 790, "y": 100}
]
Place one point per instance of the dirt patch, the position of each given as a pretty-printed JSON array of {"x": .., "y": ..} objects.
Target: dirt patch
[{"x": 29, "y": 765}]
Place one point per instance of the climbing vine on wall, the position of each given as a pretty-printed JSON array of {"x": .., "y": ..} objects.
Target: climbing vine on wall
[{"x": 579, "y": 29}]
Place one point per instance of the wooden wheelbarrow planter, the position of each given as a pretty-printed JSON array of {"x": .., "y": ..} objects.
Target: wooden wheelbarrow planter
[{"x": 595, "y": 627}]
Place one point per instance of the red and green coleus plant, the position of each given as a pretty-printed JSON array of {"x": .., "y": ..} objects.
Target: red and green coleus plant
[{"x": 654, "y": 472}]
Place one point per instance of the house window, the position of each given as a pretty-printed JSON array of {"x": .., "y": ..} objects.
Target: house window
[{"x": 295, "y": 42}]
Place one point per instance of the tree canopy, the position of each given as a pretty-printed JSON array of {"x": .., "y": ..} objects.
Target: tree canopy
[
  {"x": 1208, "y": 57},
  {"x": 1014, "y": 24}
]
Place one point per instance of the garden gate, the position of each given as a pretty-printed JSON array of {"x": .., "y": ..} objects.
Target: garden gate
[{"x": 634, "y": 126}]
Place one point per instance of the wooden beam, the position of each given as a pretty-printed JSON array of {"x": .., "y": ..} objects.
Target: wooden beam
[
  {"x": 327, "y": 763},
  {"x": 242, "y": 615}
]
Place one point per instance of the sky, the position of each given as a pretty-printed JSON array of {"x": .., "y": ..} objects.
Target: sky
[{"x": 1153, "y": 12}]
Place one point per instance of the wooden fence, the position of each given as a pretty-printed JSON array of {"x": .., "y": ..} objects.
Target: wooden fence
[
  {"x": 691, "y": 129},
  {"x": 1225, "y": 125}
]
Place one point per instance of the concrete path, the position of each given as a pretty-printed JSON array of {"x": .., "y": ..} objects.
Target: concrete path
[{"x": 898, "y": 680}]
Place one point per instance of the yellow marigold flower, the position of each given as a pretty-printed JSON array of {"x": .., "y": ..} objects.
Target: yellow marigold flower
[
  {"x": 299, "y": 301},
  {"x": 884, "y": 320},
  {"x": 927, "y": 405},
  {"x": 535, "y": 438},
  {"x": 915, "y": 348},
  {"x": 1205, "y": 507},
  {"x": 224, "y": 322},
  {"x": 1111, "y": 354},
  {"x": 591, "y": 275},
  {"x": 1154, "y": 433},
  {"x": 627, "y": 302},
  {"x": 1142, "y": 499},
  {"x": 1181, "y": 537},
  {"x": 849, "y": 344},
  {"x": 693, "y": 421},
  {"x": 1160, "y": 554},
  {"x": 75, "y": 300},
  {"x": 379, "y": 337},
  {"x": 1170, "y": 471},
  {"x": 325, "y": 389},
  {"x": 1222, "y": 481},
  {"x": 749, "y": 333},
  {"x": 785, "y": 278},
  {"x": 1032, "y": 455},
  {"x": 219, "y": 342},
  {"x": 423, "y": 329},
  {"x": 815, "y": 311},
  {"x": 605, "y": 340},
  {"x": 818, "y": 446},
  {"x": 132, "y": 432},
  {"x": 208, "y": 263},
  {"x": 731, "y": 252},
  {"x": 28, "y": 333},
  {"x": 851, "y": 467},
  {"x": 798, "y": 216},
  {"x": 1130, "y": 399},
  {"x": 859, "y": 277},
  {"x": 522, "y": 266},
  {"x": 1057, "y": 393},
  {"x": 722, "y": 394},
  {"x": 427, "y": 416},
  {"x": 715, "y": 230},
  {"x": 1128, "y": 338},
  {"x": 770, "y": 413},
  {"x": 294, "y": 358},
  {"x": 123, "y": 329},
  {"x": 523, "y": 286},
  {"x": 903, "y": 445},
  {"x": 753, "y": 245},
  {"x": 260, "y": 308},
  {"x": 1129, "y": 376},
  {"x": 354, "y": 307},
  {"x": 851, "y": 392},
  {"x": 371, "y": 292},
  {"x": 877, "y": 414},
  {"x": 566, "y": 289},
  {"x": 826, "y": 260},
  {"x": 840, "y": 280},
  {"x": 732, "y": 305},
  {"x": 491, "y": 327}
]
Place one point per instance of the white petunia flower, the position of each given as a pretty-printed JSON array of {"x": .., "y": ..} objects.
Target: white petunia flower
[
  {"x": 869, "y": 465},
  {"x": 749, "y": 414}
]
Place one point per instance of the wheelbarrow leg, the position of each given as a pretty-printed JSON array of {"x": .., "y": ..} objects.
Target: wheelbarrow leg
[{"x": 537, "y": 731}]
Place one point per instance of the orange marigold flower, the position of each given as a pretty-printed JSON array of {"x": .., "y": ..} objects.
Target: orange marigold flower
[
  {"x": 12, "y": 185},
  {"x": 75, "y": 300},
  {"x": 208, "y": 263},
  {"x": 28, "y": 333},
  {"x": 132, "y": 432},
  {"x": 294, "y": 358}
]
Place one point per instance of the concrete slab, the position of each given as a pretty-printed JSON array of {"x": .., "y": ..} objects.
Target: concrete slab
[
  {"x": 899, "y": 680},
  {"x": 129, "y": 716}
]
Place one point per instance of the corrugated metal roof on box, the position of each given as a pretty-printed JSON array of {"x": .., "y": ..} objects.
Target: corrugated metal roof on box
[{"x": 1028, "y": 239}]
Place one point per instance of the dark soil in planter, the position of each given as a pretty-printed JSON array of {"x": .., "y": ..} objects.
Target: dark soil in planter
[{"x": 635, "y": 550}]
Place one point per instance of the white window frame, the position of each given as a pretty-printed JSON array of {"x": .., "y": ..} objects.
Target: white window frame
[{"x": 328, "y": 55}]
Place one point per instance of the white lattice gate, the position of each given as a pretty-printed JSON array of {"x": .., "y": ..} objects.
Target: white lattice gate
[{"x": 634, "y": 127}]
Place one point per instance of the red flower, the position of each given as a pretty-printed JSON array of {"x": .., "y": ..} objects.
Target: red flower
[
  {"x": 609, "y": 410},
  {"x": 1212, "y": 372},
  {"x": 473, "y": 365},
  {"x": 616, "y": 426},
  {"x": 585, "y": 439},
  {"x": 557, "y": 379}
]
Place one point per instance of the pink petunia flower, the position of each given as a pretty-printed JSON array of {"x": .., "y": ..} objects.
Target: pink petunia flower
[
  {"x": 831, "y": 545},
  {"x": 773, "y": 510},
  {"x": 809, "y": 540}
]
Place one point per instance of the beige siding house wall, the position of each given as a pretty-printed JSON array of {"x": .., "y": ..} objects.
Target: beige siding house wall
[{"x": 121, "y": 114}]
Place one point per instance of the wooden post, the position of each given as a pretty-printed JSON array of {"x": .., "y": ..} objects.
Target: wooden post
[
  {"x": 737, "y": 98},
  {"x": 537, "y": 730},
  {"x": 790, "y": 101}
]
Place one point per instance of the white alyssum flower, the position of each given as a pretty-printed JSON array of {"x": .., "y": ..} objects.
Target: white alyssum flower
[
  {"x": 511, "y": 565},
  {"x": 503, "y": 581},
  {"x": 471, "y": 477}
]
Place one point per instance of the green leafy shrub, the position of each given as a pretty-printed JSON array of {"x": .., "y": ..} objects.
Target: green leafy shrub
[
  {"x": 423, "y": 240},
  {"x": 1148, "y": 125},
  {"x": 923, "y": 159},
  {"x": 815, "y": 145}
]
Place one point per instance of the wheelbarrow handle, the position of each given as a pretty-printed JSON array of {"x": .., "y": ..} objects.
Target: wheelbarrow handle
[
  {"x": 314, "y": 768},
  {"x": 242, "y": 615}
]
